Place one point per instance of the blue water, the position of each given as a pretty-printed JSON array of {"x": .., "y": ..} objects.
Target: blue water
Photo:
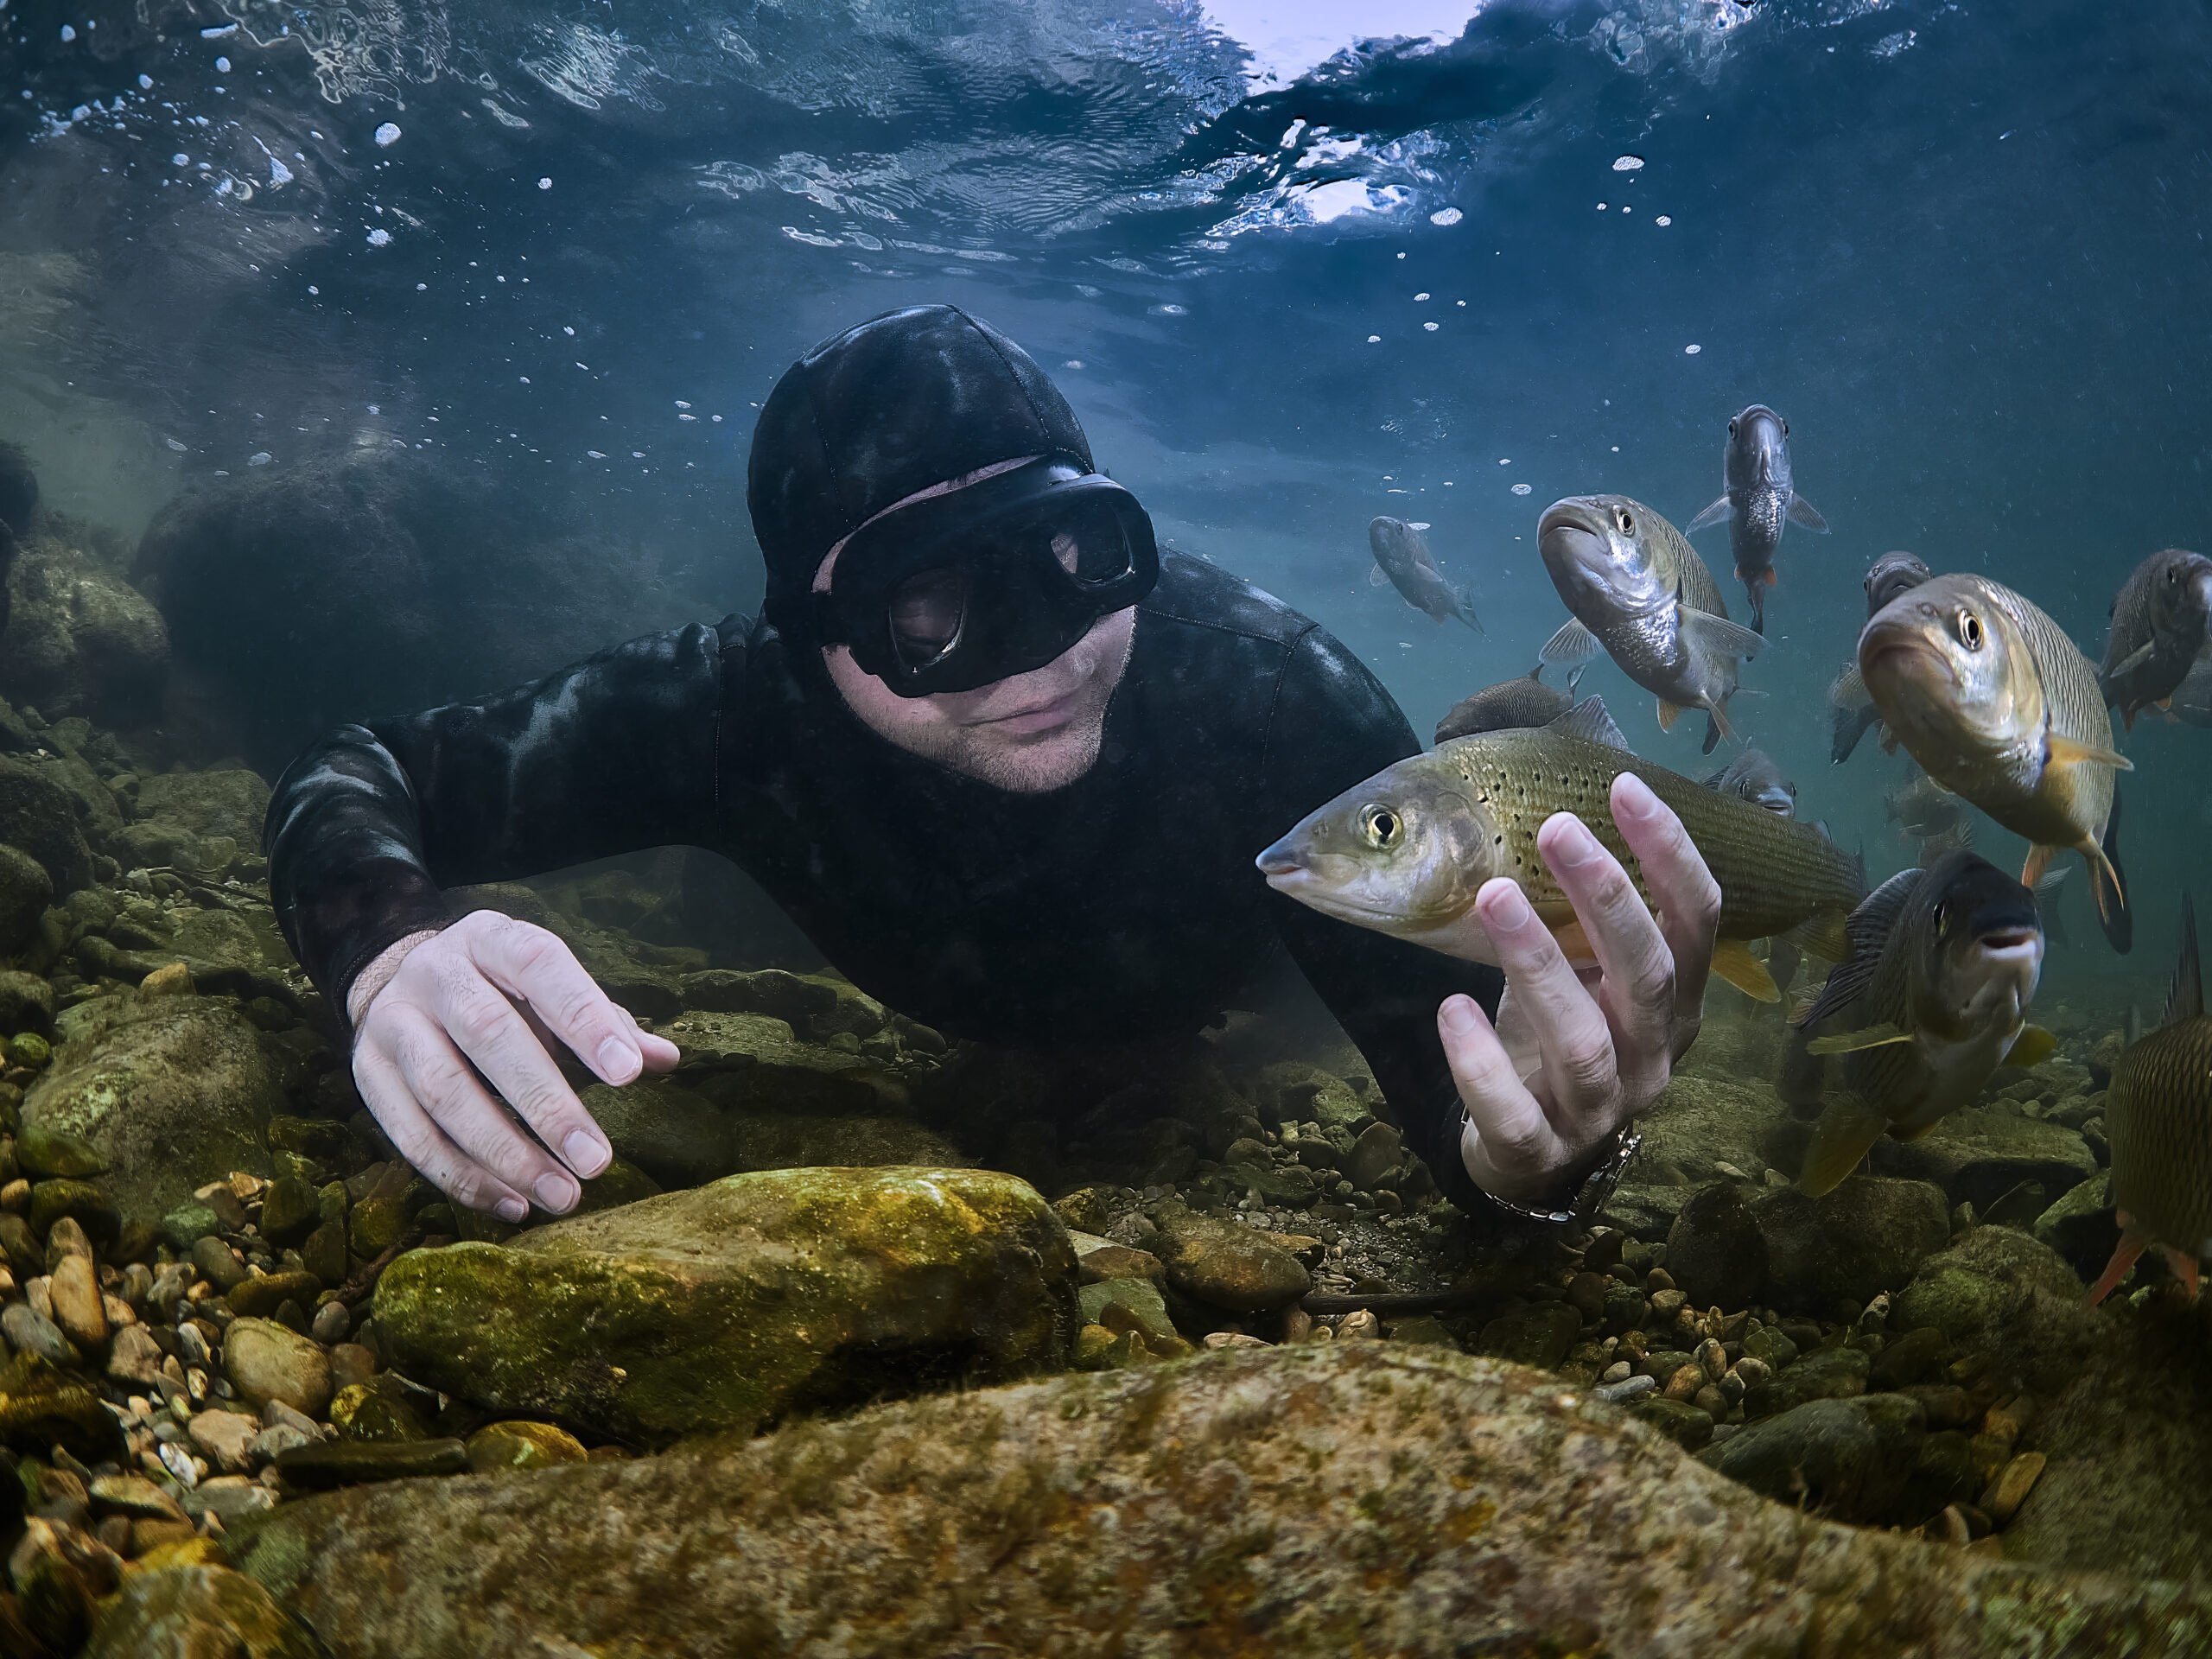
[{"x": 1290, "y": 278}]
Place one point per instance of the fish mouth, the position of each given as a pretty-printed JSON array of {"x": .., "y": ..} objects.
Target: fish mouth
[
  {"x": 1281, "y": 862},
  {"x": 2010, "y": 943}
]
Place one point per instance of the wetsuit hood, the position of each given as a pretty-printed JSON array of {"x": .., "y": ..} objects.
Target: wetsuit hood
[{"x": 873, "y": 414}]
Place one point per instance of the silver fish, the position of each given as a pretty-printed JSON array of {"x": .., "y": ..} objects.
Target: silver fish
[
  {"x": 1756, "y": 499},
  {"x": 1639, "y": 591},
  {"x": 1402, "y": 557},
  {"x": 2161, "y": 621},
  {"x": 1853, "y": 710}
]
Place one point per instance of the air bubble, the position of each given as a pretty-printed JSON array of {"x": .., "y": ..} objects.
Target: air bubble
[
  {"x": 1521, "y": 489},
  {"x": 545, "y": 184},
  {"x": 387, "y": 135},
  {"x": 1430, "y": 326},
  {"x": 1692, "y": 351},
  {"x": 1627, "y": 163},
  {"x": 1663, "y": 219},
  {"x": 1375, "y": 339},
  {"x": 222, "y": 66},
  {"x": 380, "y": 237},
  {"x": 259, "y": 458},
  {"x": 1445, "y": 216},
  {"x": 67, "y": 34}
]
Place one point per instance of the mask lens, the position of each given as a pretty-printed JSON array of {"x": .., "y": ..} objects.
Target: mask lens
[
  {"x": 1090, "y": 545},
  {"x": 926, "y": 612}
]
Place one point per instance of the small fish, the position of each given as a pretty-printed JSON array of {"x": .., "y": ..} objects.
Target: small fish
[
  {"x": 2161, "y": 622},
  {"x": 1525, "y": 702},
  {"x": 1753, "y": 777},
  {"x": 1639, "y": 592},
  {"x": 2159, "y": 1119},
  {"x": 1933, "y": 996},
  {"x": 1403, "y": 558},
  {"x": 1999, "y": 706},
  {"x": 1406, "y": 852},
  {"x": 2191, "y": 704},
  {"x": 1921, "y": 808},
  {"x": 1854, "y": 714},
  {"x": 1756, "y": 499},
  {"x": 1958, "y": 838}
]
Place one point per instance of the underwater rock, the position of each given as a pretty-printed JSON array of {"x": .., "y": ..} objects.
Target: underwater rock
[
  {"x": 1226, "y": 1264},
  {"x": 727, "y": 1305},
  {"x": 1865, "y": 1236},
  {"x": 80, "y": 639},
  {"x": 1979, "y": 1153},
  {"x": 2083, "y": 1225},
  {"x": 1985, "y": 1287},
  {"x": 1701, "y": 1122},
  {"x": 752, "y": 1062},
  {"x": 522, "y": 1444},
  {"x": 672, "y": 1135},
  {"x": 1849, "y": 1459},
  {"x": 36, "y": 815},
  {"x": 169, "y": 1091},
  {"x": 1083, "y": 1507},
  {"x": 264, "y": 1360},
  {"x": 18, "y": 488},
  {"x": 25, "y": 891},
  {"x": 1715, "y": 1251},
  {"x": 231, "y": 802},
  {"x": 195, "y": 1613},
  {"x": 1537, "y": 1335},
  {"x": 25, "y": 1003}
]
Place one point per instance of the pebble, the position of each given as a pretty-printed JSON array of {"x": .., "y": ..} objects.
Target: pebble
[
  {"x": 1626, "y": 1389},
  {"x": 226, "y": 1438},
  {"x": 134, "y": 1496},
  {"x": 75, "y": 1295},
  {"x": 263, "y": 1360},
  {"x": 1711, "y": 1359},
  {"x": 333, "y": 1321},
  {"x": 518, "y": 1444},
  {"x": 178, "y": 1462},
  {"x": 135, "y": 1356},
  {"x": 346, "y": 1462},
  {"x": 217, "y": 1264},
  {"x": 2003, "y": 1500},
  {"x": 1216, "y": 1340},
  {"x": 1619, "y": 1371},
  {"x": 1362, "y": 1323},
  {"x": 29, "y": 1331}
]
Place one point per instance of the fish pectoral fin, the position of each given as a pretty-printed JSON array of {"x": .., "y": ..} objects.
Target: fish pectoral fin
[
  {"x": 1803, "y": 511},
  {"x": 2134, "y": 659},
  {"x": 1375, "y": 577},
  {"x": 1718, "y": 634},
  {"x": 1715, "y": 514},
  {"x": 1669, "y": 713},
  {"x": 1770, "y": 577},
  {"x": 2034, "y": 1043},
  {"x": 2039, "y": 857},
  {"x": 1572, "y": 643},
  {"x": 2124, "y": 1256},
  {"x": 1734, "y": 961},
  {"x": 1848, "y": 1128},
  {"x": 1851, "y": 1042},
  {"x": 2065, "y": 752},
  {"x": 1825, "y": 936}
]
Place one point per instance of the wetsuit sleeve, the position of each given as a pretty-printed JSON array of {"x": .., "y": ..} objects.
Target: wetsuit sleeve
[
  {"x": 615, "y": 753},
  {"x": 1334, "y": 724}
]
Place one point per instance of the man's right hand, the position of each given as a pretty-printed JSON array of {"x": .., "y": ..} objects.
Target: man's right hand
[{"x": 491, "y": 992}]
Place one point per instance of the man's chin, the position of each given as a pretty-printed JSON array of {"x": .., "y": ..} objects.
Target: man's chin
[{"x": 1034, "y": 763}]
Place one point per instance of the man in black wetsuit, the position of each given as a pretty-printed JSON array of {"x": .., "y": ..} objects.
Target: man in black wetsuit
[{"x": 1007, "y": 766}]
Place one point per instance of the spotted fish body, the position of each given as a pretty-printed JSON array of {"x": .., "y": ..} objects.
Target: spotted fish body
[{"x": 1406, "y": 852}]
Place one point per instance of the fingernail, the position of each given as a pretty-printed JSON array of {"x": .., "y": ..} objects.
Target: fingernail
[
  {"x": 1510, "y": 909},
  {"x": 511, "y": 1210},
  {"x": 1636, "y": 797},
  {"x": 1458, "y": 1014},
  {"x": 556, "y": 1192},
  {"x": 1574, "y": 845},
  {"x": 586, "y": 1155},
  {"x": 618, "y": 1061}
]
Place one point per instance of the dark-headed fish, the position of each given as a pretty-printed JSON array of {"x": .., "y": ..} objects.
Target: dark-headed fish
[
  {"x": 1996, "y": 703},
  {"x": 2192, "y": 704},
  {"x": 1920, "y": 808},
  {"x": 1932, "y": 997},
  {"x": 2161, "y": 622},
  {"x": 1509, "y": 703},
  {"x": 1757, "y": 500},
  {"x": 1854, "y": 713},
  {"x": 2158, "y": 1118},
  {"x": 1406, "y": 852},
  {"x": 1403, "y": 557},
  {"x": 1640, "y": 591},
  {"x": 1753, "y": 776}
]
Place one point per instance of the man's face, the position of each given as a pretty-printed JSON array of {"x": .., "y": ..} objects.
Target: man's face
[{"x": 1028, "y": 733}]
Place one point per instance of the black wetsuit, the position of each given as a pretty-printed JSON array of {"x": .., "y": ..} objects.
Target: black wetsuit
[{"x": 1125, "y": 905}]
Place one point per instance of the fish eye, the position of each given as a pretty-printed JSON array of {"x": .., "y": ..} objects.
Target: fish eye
[
  {"x": 1384, "y": 829},
  {"x": 1624, "y": 521},
  {"x": 1785, "y": 428},
  {"x": 2173, "y": 574},
  {"x": 1970, "y": 633},
  {"x": 1942, "y": 914},
  {"x": 1731, "y": 428}
]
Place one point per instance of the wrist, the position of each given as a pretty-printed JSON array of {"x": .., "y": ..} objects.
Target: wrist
[
  {"x": 371, "y": 981},
  {"x": 1574, "y": 1195}
]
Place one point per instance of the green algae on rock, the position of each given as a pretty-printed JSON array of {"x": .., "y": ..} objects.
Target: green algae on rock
[
  {"x": 1306, "y": 1500},
  {"x": 194, "y": 1613},
  {"x": 729, "y": 1306}
]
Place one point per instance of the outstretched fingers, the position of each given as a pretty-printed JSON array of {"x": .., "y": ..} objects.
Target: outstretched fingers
[
  {"x": 1682, "y": 890},
  {"x": 1509, "y": 1146}
]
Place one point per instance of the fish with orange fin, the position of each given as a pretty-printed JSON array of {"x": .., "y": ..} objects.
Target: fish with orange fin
[
  {"x": 1757, "y": 499},
  {"x": 1999, "y": 706},
  {"x": 1406, "y": 852},
  {"x": 2159, "y": 1119}
]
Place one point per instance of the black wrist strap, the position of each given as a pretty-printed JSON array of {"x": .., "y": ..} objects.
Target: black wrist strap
[{"x": 1589, "y": 1195}]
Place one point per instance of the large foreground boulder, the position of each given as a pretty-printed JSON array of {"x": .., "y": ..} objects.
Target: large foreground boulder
[
  {"x": 172, "y": 1091},
  {"x": 729, "y": 1306},
  {"x": 1323, "y": 1499}
]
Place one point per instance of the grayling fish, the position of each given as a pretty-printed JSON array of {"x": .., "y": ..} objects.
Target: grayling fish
[
  {"x": 1403, "y": 557},
  {"x": 1933, "y": 996},
  {"x": 1507, "y": 705},
  {"x": 2192, "y": 700},
  {"x": 1756, "y": 499},
  {"x": 1853, "y": 711},
  {"x": 1753, "y": 776},
  {"x": 1639, "y": 591},
  {"x": 2161, "y": 622}
]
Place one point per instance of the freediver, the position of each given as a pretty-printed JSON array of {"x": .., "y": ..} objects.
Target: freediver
[{"x": 1005, "y": 764}]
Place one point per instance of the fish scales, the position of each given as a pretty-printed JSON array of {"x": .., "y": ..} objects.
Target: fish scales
[
  {"x": 2159, "y": 1118},
  {"x": 1773, "y": 874},
  {"x": 2077, "y": 710}
]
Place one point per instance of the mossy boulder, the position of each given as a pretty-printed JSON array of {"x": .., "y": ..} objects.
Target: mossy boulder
[
  {"x": 231, "y": 802},
  {"x": 38, "y": 815},
  {"x": 734, "y": 1304},
  {"x": 671, "y": 1134},
  {"x": 1979, "y": 1153},
  {"x": 168, "y": 1091},
  {"x": 80, "y": 639},
  {"x": 757, "y": 1064},
  {"x": 25, "y": 891},
  {"x": 1864, "y": 1235},
  {"x": 1981, "y": 1289},
  {"x": 803, "y": 1140},
  {"x": 195, "y": 1613}
]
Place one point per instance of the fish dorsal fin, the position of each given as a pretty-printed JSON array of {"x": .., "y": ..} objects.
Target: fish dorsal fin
[
  {"x": 1537, "y": 673},
  {"x": 1588, "y": 720},
  {"x": 2185, "y": 1000},
  {"x": 1867, "y": 930},
  {"x": 1718, "y": 634},
  {"x": 1572, "y": 643}
]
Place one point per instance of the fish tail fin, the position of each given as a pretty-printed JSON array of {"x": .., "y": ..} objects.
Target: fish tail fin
[
  {"x": 1755, "y": 595},
  {"x": 2185, "y": 1268},
  {"x": 1669, "y": 713},
  {"x": 1848, "y": 1128},
  {"x": 2133, "y": 1241},
  {"x": 1717, "y": 725},
  {"x": 1733, "y": 961},
  {"x": 2110, "y": 884},
  {"x": 1466, "y": 612}
]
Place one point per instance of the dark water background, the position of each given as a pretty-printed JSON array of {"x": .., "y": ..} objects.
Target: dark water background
[{"x": 1960, "y": 247}]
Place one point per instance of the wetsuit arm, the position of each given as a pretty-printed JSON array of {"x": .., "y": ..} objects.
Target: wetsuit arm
[
  {"x": 615, "y": 753},
  {"x": 1333, "y": 725}
]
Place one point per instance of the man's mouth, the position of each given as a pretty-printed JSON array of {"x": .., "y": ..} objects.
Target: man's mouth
[{"x": 1038, "y": 717}]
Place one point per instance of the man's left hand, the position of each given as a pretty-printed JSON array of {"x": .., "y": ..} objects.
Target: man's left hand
[{"x": 1575, "y": 1054}]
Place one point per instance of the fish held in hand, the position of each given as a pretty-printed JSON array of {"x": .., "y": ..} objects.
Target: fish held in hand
[
  {"x": 1999, "y": 706},
  {"x": 1757, "y": 501},
  {"x": 1402, "y": 558},
  {"x": 1932, "y": 998},
  {"x": 1507, "y": 705},
  {"x": 1639, "y": 593},
  {"x": 1406, "y": 852},
  {"x": 2161, "y": 622},
  {"x": 2159, "y": 1120}
]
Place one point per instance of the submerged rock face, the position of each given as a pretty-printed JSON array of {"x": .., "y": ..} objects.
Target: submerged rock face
[
  {"x": 168, "y": 1091},
  {"x": 1300, "y": 1501},
  {"x": 728, "y": 1306},
  {"x": 197, "y": 1612},
  {"x": 80, "y": 639}
]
